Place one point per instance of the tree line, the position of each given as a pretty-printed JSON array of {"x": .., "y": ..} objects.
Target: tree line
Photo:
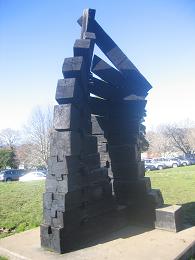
[
  {"x": 172, "y": 139},
  {"x": 28, "y": 148}
]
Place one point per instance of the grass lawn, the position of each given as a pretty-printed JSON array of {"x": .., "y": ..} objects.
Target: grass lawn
[
  {"x": 20, "y": 206},
  {"x": 178, "y": 187},
  {"x": 21, "y": 203}
]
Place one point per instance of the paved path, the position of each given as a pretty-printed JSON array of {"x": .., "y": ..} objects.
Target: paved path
[{"x": 130, "y": 243}]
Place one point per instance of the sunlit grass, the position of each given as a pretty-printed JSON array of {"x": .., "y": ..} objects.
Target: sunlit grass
[
  {"x": 178, "y": 187},
  {"x": 20, "y": 206},
  {"x": 21, "y": 203}
]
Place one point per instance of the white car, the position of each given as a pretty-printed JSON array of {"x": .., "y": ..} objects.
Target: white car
[{"x": 33, "y": 176}]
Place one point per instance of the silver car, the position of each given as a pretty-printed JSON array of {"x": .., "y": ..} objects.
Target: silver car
[{"x": 168, "y": 163}]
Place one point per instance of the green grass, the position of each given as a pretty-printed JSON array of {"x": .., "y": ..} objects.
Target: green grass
[
  {"x": 21, "y": 203},
  {"x": 178, "y": 187},
  {"x": 3, "y": 258},
  {"x": 20, "y": 206}
]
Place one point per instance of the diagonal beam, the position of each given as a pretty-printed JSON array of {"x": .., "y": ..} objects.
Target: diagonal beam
[
  {"x": 107, "y": 72},
  {"x": 118, "y": 58},
  {"x": 103, "y": 89},
  {"x": 115, "y": 78}
]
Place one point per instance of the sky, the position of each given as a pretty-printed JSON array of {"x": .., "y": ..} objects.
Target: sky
[{"x": 158, "y": 36}]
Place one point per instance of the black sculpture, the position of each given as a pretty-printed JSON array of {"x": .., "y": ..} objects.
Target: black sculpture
[{"x": 91, "y": 133}]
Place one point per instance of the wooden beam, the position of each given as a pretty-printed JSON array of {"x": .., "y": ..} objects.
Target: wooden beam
[{"x": 119, "y": 59}]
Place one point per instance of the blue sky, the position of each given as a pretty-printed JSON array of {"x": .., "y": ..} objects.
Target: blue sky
[{"x": 157, "y": 35}]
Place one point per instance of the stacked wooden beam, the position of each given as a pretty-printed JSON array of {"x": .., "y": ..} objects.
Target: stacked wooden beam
[{"x": 78, "y": 188}]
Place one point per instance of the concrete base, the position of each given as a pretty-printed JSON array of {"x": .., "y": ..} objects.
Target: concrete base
[{"x": 132, "y": 242}]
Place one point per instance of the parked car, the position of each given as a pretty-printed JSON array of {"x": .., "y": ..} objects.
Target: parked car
[
  {"x": 150, "y": 164},
  {"x": 149, "y": 167},
  {"x": 168, "y": 163},
  {"x": 182, "y": 161},
  {"x": 190, "y": 158},
  {"x": 11, "y": 175},
  {"x": 33, "y": 176}
]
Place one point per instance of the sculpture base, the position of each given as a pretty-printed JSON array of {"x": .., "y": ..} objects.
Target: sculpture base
[{"x": 58, "y": 240}]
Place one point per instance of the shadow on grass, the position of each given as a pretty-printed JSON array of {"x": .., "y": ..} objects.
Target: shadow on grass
[{"x": 189, "y": 213}]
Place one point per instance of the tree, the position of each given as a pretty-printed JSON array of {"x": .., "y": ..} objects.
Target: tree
[
  {"x": 7, "y": 159},
  {"x": 38, "y": 133},
  {"x": 182, "y": 138},
  {"x": 9, "y": 138},
  {"x": 169, "y": 139}
]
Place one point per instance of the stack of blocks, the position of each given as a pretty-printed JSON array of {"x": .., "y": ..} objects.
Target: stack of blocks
[{"x": 78, "y": 188}]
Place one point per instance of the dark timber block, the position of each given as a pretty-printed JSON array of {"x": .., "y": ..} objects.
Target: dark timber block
[
  {"x": 100, "y": 207},
  {"x": 86, "y": 124},
  {"x": 47, "y": 219},
  {"x": 104, "y": 90},
  {"x": 130, "y": 191},
  {"x": 119, "y": 59},
  {"x": 100, "y": 191},
  {"x": 98, "y": 175},
  {"x": 67, "y": 201},
  {"x": 128, "y": 171},
  {"x": 68, "y": 182},
  {"x": 69, "y": 91},
  {"x": 96, "y": 128},
  {"x": 122, "y": 139},
  {"x": 70, "y": 200},
  {"x": 47, "y": 200},
  {"x": 65, "y": 144},
  {"x": 72, "y": 182},
  {"x": 92, "y": 161},
  {"x": 75, "y": 67},
  {"x": 65, "y": 165},
  {"x": 129, "y": 109},
  {"x": 57, "y": 239},
  {"x": 107, "y": 73},
  {"x": 51, "y": 184},
  {"x": 129, "y": 85},
  {"x": 70, "y": 220},
  {"x": 84, "y": 47},
  {"x": 124, "y": 153},
  {"x": 98, "y": 106},
  {"x": 94, "y": 229},
  {"x": 66, "y": 117},
  {"x": 169, "y": 218},
  {"x": 120, "y": 125},
  {"x": 81, "y": 47},
  {"x": 156, "y": 196},
  {"x": 89, "y": 144},
  {"x": 45, "y": 231}
]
